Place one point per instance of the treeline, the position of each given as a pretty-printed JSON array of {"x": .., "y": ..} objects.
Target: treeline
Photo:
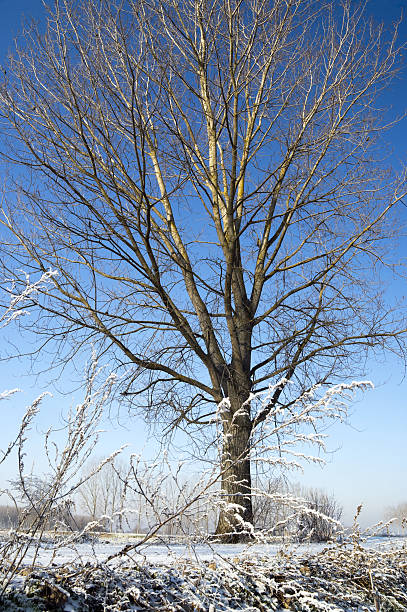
[
  {"x": 11, "y": 516},
  {"x": 108, "y": 503}
]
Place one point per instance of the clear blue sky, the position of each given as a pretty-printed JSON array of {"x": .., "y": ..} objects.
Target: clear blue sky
[{"x": 370, "y": 459}]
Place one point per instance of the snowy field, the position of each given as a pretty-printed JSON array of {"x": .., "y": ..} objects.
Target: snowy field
[{"x": 166, "y": 553}]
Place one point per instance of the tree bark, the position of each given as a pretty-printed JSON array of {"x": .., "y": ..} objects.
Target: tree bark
[{"x": 236, "y": 514}]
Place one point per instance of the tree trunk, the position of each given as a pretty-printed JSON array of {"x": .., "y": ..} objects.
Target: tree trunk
[{"x": 236, "y": 515}]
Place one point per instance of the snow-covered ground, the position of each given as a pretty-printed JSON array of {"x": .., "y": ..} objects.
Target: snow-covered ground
[{"x": 167, "y": 553}]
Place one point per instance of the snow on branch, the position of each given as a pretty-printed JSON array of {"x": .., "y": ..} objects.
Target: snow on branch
[{"x": 20, "y": 300}]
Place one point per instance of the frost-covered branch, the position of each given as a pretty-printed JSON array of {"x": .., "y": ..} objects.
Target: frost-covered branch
[{"x": 19, "y": 302}]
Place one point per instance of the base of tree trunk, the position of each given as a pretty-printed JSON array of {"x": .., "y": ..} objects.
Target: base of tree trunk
[
  {"x": 230, "y": 531},
  {"x": 232, "y": 538}
]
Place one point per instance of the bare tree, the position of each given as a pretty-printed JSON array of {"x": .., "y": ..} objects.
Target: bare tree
[
  {"x": 101, "y": 494},
  {"x": 33, "y": 493},
  {"x": 269, "y": 506},
  {"x": 206, "y": 178},
  {"x": 320, "y": 520},
  {"x": 398, "y": 514}
]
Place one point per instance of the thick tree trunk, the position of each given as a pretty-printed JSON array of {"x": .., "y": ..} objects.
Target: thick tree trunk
[{"x": 236, "y": 516}]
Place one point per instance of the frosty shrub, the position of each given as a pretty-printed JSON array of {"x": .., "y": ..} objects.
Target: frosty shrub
[{"x": 43, "y": 503}]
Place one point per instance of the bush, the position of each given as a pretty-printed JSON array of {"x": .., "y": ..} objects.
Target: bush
[{"x": 320, "y": 520}]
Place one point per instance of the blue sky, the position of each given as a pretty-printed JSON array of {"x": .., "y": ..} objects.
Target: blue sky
[{"x": 369, "y": 461}]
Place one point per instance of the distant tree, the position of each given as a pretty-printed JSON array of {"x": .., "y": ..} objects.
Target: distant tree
[
  {"x": 34, "y": 495},
  {"x": 101, "y": 494},
  {"x": 206, "y": 178},
  {"x": 399, "y": 513},
  {"x": 269, "y": 508},
  {"x": 319, "y": 521}
]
